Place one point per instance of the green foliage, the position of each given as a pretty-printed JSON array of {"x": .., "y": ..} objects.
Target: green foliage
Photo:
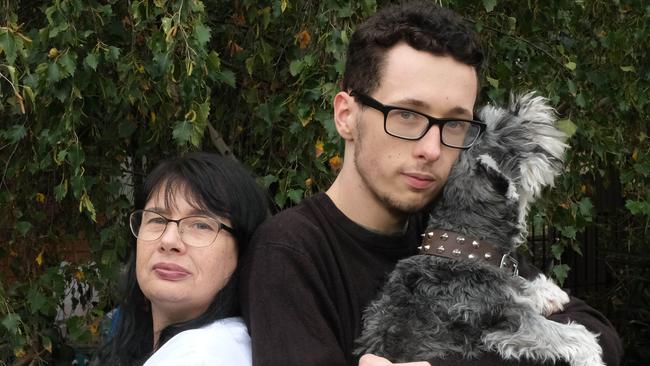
[{"x": 94, "y": 93}]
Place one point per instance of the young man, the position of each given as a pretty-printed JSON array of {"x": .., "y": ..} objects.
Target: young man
[{"x": 315, "y": 267}]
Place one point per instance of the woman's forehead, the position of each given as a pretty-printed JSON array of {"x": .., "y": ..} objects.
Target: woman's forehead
[{"x": 173, "y": 196}]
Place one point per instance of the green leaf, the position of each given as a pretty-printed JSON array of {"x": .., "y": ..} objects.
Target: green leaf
[
  {"x": 493, "y": 82},
  {"x": 10, "y": 322},
  {"x": 15, "y": 133},
  {"x": 61, "y": 190},
  {"x": 250, "y": 64},
  {"x": 585, "y": 207},
  {"x": 68, "y": 63},
  {"x": 182, "y": 132},
  {"x": 628, "y": 68},
  {"x": 35, "y": 300},
  {"x": 295, "y": 195},
  {"x": 580, "y": 101},
  {"x": 567, "y": 126},
  {"x": 112, "y": 54},
  {"x": 560, "y": 272},
  {"x": 23, "y": 227},
  {"x": 268, "y": 180},
  {"x": 569, "y": 232},
  {"x": 91, "y": 60},
  {"x": 489, "y": 5},
  {"x": 296, "y": 67},
  {"x": 8, "y": 45},
  {"x": 227, "y": 77},
  {"x": 570, "y": 65},
  {"x": 557, "y": 250},
  {"x": 53, "y": 72},
  {"x": 638, "y": 207},
  {"x": 202, "y": 34}
]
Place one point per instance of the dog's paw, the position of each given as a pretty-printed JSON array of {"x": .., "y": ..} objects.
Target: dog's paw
[
  {"x": 582, "y": 346},
  {"x": 547, "y": 297}
]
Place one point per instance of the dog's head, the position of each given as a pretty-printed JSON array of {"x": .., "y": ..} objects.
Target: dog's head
[{"x": 493, "y": 183}]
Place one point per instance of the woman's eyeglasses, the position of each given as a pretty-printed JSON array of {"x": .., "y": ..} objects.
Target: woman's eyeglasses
[{"x": 196, "y": 231}]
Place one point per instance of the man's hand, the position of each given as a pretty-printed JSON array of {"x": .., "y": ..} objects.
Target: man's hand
[{"x": 372, "y": 360}]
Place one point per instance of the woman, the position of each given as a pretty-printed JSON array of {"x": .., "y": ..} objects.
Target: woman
[{"x": 192, "y": 223}]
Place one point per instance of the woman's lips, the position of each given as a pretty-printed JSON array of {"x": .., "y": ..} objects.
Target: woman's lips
[
  {"x": 170, "y": 271},
  {"x": 419, "y": 180}
]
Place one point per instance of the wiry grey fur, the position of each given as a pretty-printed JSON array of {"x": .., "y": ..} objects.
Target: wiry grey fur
[{"x": 433, "y": 307}]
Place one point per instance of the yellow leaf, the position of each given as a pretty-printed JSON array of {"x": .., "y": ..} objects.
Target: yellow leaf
[
  {"x": 19, "y": 352},
  {"x": 153, "y": 117},
  {"x": 40, "y": 197},
  {"x": 47, "y": 344},
  {"x": 304, "y": 39},
  {"x": 309, "y": 182},
  {"x": 39, "y": 258},
  {"x": 79, "y": 275},
  {"x": 335, "y": 163},
  {"x": 94, "y": 328},
  {"x": 53, "y": 52},
  {"x": 635, "y": 154},
  {"x": 319, "y": 148}
]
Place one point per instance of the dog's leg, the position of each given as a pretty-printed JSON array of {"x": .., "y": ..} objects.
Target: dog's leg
[
  {"x": 545, "y": 296},
  {"x": 541, "y": 339}
]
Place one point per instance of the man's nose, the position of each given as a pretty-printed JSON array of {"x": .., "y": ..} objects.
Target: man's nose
[{"x": 428, "y": 147}]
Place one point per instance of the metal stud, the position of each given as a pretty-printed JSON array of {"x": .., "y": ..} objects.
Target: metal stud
[
  {"x": 460, "y": 240},
  {"x": 444, "y": 237},
  {"x": 471, "y": 256},
  {"x": 488, "y": 255},
  {"x": 420, "y": 247},
  {"x": 456, "y": 252},
  {"x": 430, "y": 234},
  {"x": 422, "y": 235},
  {"x": 427, "y": 247},
  {"x": 441, "y": 248},
  {"x": 475, "y": 244}
]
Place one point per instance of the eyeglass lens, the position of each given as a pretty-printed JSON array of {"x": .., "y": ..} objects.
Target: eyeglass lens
[
  {"x": 198, "y": 231},
  {"x": 411, "y": 125}
]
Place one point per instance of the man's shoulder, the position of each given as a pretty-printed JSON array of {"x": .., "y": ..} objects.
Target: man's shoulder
[
  {"x": 295, "y": 220},
  {"x": 303, "y": 228}
]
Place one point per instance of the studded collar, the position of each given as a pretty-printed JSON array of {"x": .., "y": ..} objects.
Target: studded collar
[{"x": 448, "y": 244}]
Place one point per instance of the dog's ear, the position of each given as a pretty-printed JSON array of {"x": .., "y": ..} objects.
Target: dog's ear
[
  {"x": 525, "y": 145},
  {"x": 524, "y": 142},
  {"x": 542, "y": 159},
  {"x": 499, "y": 182}
]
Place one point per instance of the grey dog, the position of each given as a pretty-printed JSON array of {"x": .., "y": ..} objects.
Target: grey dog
[{"x": 466, "y": 298}]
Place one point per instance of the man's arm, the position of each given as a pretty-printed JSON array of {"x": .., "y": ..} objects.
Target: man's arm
[{"x": 286, "y": 307}]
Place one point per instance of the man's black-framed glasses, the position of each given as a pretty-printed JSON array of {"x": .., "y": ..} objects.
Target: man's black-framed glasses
[
  {"x": 195, "y": 231},
  {"x": 408, "y": 124}
]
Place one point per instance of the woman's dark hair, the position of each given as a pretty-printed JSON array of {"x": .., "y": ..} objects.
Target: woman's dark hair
[
  {"x": 423, "y": 25},
  {"x": 211, "y": 183}
]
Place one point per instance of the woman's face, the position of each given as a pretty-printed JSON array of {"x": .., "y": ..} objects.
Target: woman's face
[{"x": 181, "y": 281}]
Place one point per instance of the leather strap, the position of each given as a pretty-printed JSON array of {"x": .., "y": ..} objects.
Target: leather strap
[{"x": 448, "y": 244}]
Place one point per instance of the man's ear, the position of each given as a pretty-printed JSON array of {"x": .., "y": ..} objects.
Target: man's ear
[{"x": 345, "y": 115}]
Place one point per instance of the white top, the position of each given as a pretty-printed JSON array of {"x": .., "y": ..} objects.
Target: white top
[{"x": 224, "y": 342}]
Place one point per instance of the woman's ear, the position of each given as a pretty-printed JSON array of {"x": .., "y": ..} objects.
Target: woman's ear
[{"x": 345, "y": 110}]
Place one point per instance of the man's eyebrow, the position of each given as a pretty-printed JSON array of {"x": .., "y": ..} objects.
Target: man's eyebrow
[{"x": 417, "y": 104}]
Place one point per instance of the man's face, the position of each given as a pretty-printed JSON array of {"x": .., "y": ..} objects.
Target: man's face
[{"x": 406, "y": 175}]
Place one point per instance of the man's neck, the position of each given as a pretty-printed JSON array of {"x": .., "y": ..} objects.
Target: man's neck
[{"x": 362, "y": 207}]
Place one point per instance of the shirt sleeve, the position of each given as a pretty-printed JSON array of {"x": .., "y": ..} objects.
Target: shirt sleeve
[{"x": 286, "y": 306}]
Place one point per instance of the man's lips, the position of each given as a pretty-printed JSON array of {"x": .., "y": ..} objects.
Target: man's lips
[
  {"x": 170, "y": 271},
  {"x": 419, "y": 180}
]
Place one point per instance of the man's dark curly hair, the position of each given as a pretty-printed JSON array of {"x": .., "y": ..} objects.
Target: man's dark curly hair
[{"x": 423, "y": 25}]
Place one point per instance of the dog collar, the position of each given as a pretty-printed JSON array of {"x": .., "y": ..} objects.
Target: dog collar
[{"x": 448, "y": 244}]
